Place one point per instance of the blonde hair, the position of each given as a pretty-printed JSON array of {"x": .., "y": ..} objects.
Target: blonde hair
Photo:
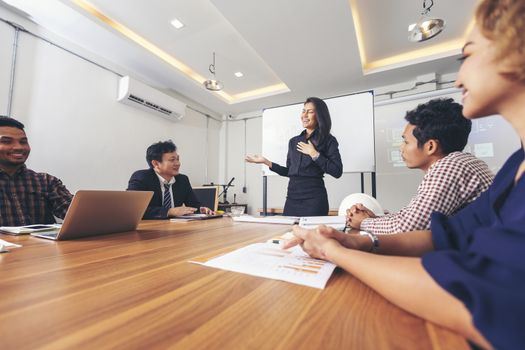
[{"x": 503, "y": 22}]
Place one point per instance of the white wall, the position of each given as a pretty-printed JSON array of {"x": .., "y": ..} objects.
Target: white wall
[
  {"x": 6, "y": 40},
  {"x": 77, "y": 129}
]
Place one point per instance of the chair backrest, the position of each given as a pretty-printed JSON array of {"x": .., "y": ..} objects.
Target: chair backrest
[
  {"x": 208, "y": 196},
  {"x": 368, "y": 201}
]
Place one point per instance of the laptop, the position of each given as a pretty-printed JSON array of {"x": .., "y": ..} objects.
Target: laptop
[{"x": 94, "y": 213}]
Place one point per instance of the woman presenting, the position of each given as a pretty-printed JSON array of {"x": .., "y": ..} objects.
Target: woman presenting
[{"x": 311, "y": 154}]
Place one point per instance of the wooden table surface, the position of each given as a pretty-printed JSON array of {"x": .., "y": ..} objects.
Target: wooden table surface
[{"x": 136, "y": 290}]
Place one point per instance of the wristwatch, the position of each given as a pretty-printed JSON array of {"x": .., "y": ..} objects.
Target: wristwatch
[{"x": 375, "y": 241}]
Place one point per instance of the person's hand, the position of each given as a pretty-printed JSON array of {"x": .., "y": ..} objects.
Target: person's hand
[
  {"x": 350, "y": 241},
  {"x": 356, "y": 214},
  {"x": 330, "y": 232},
  {"x": 207, "y": 211},
  {"x": 180, "y": 211},
  {"x": 307, "y": 148},
  {"x": 257, "y": 159},
  {"x": 315, "y": 242}
]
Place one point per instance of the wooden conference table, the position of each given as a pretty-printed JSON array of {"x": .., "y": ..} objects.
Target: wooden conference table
[{"x": 137, "y": 290}]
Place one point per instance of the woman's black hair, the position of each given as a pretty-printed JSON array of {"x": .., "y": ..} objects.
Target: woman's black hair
[{"x": 324, "y": 122}]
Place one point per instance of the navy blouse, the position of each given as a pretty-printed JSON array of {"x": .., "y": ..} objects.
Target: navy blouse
[
  {"x": 299, "y": 164},
  {"x": 306, "y": 174},
  {"x": 479, "y": 257}
]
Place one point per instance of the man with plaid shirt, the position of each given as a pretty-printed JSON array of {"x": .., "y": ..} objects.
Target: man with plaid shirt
[
  {"x": 433, "y": 139},
  {"x": 26, "y": 197}
]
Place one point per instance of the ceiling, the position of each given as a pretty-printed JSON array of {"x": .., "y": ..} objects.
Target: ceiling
[{"x": 287, "y": 50}]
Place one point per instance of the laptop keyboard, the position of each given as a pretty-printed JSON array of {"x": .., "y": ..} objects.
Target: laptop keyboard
[{"x": 48, "y": 234}]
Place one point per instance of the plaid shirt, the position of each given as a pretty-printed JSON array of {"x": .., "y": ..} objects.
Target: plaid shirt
[
  {"x": 29, "y": 198},
  {"x": 449, "y": 185}
]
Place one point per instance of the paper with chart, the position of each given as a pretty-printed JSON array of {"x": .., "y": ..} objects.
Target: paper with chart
[{"x": 270, "y": 261}]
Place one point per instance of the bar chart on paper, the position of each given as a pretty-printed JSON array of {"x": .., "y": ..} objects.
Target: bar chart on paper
[{"x": 269, "y": 261}]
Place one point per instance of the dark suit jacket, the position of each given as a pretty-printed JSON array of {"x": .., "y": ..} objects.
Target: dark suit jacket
[{"x": 147, "y": 180}]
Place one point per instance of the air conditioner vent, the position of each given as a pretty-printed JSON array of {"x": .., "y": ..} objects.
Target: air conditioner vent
[
  {"x": 137, "y": 94},
  {"x": 136, "y": 99}
]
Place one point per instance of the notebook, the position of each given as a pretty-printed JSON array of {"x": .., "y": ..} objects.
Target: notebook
[
  {"x": 196, "y": 217},
  {"x": 94, "y": 213}
]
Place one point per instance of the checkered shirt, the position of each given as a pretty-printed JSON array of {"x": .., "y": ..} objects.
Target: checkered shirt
[
  {"x": 448, "y": 186},
  {"x": 29, "y": 198}
]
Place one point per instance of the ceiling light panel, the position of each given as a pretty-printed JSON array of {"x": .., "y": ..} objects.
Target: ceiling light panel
[{"x": 177, "y": 23}]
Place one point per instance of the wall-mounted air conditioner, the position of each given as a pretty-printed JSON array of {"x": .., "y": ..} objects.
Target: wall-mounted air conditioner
[{"x": 136, "y": 94}]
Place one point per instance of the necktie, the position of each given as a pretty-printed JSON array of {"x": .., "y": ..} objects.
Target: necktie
[{"x": 166, "y": 200}]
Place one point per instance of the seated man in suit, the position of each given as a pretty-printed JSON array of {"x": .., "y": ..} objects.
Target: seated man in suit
[
  {"x": 26, "y": 197},
  {"x": 433, "y": 139},
  {"x": 170, "y": 188}
]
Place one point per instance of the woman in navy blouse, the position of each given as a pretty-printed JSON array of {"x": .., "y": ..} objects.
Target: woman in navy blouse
[
  {"x": 311, "y": 154},
  {"x": 468, "y": 272}
]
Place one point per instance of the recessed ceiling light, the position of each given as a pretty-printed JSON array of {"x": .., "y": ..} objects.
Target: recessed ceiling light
[
  {"x": 238, "y": 74},
  {"x": 176, "y": 23}
]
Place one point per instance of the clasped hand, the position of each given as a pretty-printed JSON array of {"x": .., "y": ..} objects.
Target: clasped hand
[
  {"x": 180, "y": 211},
  {"x": 317, "y": 242},
  {"x": 356, "y": 214}
]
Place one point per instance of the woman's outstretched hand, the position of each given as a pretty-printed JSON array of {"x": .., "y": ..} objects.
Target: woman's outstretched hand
[{"x": 258, "y": 160}]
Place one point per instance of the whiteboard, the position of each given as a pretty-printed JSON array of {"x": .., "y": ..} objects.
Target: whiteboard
[{"x": 352, "y": 125}]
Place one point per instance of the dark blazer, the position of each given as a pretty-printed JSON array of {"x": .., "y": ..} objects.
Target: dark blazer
[{"x": 147, "y": 180}]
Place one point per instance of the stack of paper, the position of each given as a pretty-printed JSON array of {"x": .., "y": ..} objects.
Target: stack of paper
[
  {"x": 337, "y": 222},
  {"x": 25, "y": 230},
  {"x": 269, "y": 261},
  {"x": 286, "y": 220}
]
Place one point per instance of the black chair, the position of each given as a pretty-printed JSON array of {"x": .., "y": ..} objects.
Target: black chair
[{"x": 208, "y": 196}]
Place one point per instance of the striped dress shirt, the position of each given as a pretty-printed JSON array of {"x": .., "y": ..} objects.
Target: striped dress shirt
[{"x": 29, "y": 197}]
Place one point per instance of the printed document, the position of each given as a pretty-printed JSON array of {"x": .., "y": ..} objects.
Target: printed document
[{"x": 269, "y": 261}]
